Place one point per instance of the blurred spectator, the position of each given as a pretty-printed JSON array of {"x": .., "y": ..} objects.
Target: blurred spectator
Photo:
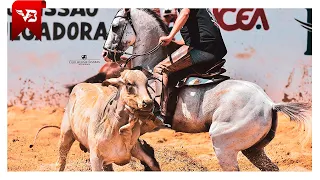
[
  {"x": 157, "y": 11},
  {"x": 170, "y": 17}
]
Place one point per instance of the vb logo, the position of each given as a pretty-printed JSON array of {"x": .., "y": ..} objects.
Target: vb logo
[
  {"x": 31, "y": 15},
  {"x": 25, "y": 15}
]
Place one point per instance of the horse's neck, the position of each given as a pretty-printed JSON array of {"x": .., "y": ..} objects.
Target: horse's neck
[
  {"x": 150, "y": 61},
  {"x": 145, "y": 42},
  {"x": 147, "y": 37}
]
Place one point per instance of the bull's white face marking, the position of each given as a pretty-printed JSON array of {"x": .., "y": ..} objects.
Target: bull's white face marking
[{"x": 116, "y": 29}]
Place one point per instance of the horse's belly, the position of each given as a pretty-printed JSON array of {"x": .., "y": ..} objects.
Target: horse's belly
[
  {"x": 188, "y": 120},
  {"x": 188, "y": 116},
  {"x": 194, "y": 110}
]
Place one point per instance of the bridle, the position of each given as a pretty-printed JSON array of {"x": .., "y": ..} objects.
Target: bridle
[
  {"x": 128, "y": 19},
  {"x": 115, "y": 51}
]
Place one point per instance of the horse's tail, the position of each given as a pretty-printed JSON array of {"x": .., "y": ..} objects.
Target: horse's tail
[
  {"x": 98, "y": 78},
  {"x": 49, "y": 126},
  {"x": 298, "y": 112}
]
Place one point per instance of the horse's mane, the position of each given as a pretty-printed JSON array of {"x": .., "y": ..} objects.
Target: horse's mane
[{"x": 163, "y": 26}]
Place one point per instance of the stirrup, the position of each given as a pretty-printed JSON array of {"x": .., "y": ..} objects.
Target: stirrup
[
  {"x": 161, "y": 118},
  {"x": 157, "y": 115}
]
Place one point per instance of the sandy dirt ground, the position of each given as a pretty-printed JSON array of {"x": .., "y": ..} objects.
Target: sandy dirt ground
[{"x": 175, "y": 151}]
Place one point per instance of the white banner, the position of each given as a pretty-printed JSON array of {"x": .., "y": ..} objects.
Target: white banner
[{"x": 271, "y": 47}]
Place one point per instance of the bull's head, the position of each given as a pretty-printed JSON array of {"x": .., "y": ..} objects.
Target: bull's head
[{"x": 133, "y": 89}]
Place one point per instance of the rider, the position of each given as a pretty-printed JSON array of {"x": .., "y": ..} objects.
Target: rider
[
  {"x": 157, "y": 11},
  {"x": 203, "y": 44}
]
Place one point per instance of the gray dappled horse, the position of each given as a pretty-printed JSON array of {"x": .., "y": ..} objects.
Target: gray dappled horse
[{"x": 239, "y": 115}]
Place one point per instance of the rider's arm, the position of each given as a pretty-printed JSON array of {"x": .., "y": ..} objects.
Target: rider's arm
[
  {"x": 180, "y": 42},
  {"x": 181, "y": 20}
]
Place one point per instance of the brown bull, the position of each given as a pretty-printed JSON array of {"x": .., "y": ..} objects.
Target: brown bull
[{"x": 107, "y": 119}]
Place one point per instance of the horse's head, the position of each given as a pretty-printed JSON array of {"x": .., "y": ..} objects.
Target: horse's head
[
  {"x": 121, "y": 35},
  {"x": 141, "y": 29}
]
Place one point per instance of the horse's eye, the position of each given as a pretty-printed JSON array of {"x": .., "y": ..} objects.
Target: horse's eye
[{"x": 115, "y": 28}]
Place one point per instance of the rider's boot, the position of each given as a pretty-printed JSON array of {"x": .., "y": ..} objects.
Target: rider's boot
[{"x": 178, "y": 60}]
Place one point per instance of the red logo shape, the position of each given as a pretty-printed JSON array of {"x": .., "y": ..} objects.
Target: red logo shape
[
  {"x": 27, "y": 14},
  {"x": 241, "y": 17}
]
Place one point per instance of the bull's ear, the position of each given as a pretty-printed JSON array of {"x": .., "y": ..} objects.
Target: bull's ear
[{"x": 113, "y": 81}]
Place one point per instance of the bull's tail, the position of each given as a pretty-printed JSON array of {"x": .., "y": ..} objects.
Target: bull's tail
[{"x": 44, "y": 127}]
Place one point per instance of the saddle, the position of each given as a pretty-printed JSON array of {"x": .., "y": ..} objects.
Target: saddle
[{"x": 213, "y": 75}]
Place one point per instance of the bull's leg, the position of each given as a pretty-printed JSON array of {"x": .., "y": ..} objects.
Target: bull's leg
[
  {"x": 259, "y": 158},
  {"x": 65, "y": 143},
  {"x": 96, "y": 162},
  {"x": 138, "y": 152}
]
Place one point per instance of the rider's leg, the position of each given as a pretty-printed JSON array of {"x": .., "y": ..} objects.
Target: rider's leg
[{"x": 180, "y": 59}]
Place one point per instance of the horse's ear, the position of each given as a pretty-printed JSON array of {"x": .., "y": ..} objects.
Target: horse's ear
[{"x": 126, "y": 9}]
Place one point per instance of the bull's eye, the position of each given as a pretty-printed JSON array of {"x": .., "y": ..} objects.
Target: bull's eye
[{"x": 130, "y": 88}]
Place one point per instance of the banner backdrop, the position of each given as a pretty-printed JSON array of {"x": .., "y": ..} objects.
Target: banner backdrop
[{"x": 271, "y": 47}]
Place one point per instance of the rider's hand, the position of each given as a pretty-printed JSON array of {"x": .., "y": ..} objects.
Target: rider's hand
[{"x": 166, "y": 40}]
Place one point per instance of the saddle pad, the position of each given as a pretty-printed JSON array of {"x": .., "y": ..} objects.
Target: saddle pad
[{"x": 195, "y": 81}]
